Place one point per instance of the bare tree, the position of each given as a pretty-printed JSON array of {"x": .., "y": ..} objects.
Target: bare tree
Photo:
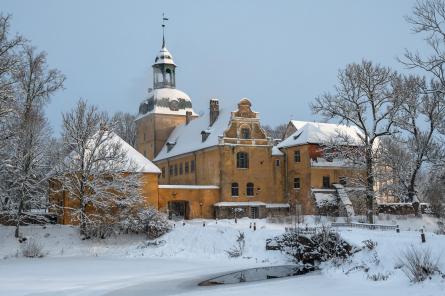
[
  {"x": 429, "y": 18},
  {"x": 433, "y": 191},
  {"x": 8, "y": 64},
  {"x": 276, "y": 132},
  {"x": 23, "y": 157},
  {"x": 99, "y": 179},
  {"x": 394, "y": 167},
  {"x": 365, "y": 98},
  {"x": 125, "y": 127},
  {"x": 420, "y": 116}
]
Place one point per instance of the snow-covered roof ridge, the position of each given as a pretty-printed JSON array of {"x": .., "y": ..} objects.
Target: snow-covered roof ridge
[
  {"x": 135, "y": 161},
  {"x": 319, "y": 133},
  {"x": 188, "y": 137}
]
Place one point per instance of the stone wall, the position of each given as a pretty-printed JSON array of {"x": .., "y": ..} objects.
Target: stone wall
[{"x": 402, "y": 208}]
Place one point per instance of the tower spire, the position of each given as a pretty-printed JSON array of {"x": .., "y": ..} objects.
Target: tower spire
[{"x": 163, "y": 29}]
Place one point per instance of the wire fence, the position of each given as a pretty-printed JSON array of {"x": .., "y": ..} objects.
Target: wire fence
[{"x": 364, "y": 226}]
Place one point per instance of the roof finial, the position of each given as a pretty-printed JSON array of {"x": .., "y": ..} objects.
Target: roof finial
[{"x": 163, "y": 29}]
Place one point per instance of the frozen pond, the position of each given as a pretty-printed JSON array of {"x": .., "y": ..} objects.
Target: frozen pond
[{"x": 258, "y": 274}]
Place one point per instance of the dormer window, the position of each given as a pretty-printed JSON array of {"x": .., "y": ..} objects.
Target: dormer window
[
  {"x": 170, "y": 146},
  {"x": 245, "y": 133},
  {"x": 204, "y": 135}
]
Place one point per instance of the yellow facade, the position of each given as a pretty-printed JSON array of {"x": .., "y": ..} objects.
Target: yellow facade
[
  {"x": 153, "y": 130},
  {"x": 198, "y": 201},
  {"x": 64, "y": 205}
]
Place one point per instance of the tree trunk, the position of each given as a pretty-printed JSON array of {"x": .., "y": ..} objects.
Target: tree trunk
[
  {"x": 369, "y": 188},
  {"x": 19, "y": 214},
  {"x": 412, "y": 191},
  {"x": 83, "y": 224}
]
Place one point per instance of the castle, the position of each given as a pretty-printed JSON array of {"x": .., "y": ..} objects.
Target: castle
[{"x": 223, "y": 164}]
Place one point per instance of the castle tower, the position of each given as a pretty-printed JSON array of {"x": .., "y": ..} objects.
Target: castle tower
[{"x": 164, "y": 108}]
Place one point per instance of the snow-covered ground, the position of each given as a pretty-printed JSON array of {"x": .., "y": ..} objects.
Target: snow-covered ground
[{"x": 192, "y": 253}]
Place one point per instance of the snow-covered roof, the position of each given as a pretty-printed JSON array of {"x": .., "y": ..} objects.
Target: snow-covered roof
[
  {"x": 143, "y": 165},
  {"x": 319, "y": 133},
  {"x": 276, "y": 151},
  {"x": 324, "y": 199},
  {"x": 298, "y": 124},
  {"x": 239, "y": 204},
  {"x": 164, "y": 57},
  {"x": 322, "y": 162},
  {"x": 277, "y": 205},
  {"x": 189, "y": 186},
  {"x": 135, "y": 161},
  {"x": 188, "y": 137},
  {"x": 160, "y": 101}
]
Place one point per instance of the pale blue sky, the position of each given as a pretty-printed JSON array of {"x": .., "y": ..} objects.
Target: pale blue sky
[{"x": 280, "y": 54}]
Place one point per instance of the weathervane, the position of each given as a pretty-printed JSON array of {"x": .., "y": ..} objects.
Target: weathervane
[{"x": 163, "y": 29}]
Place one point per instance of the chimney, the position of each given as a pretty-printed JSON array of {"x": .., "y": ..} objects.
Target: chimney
[
  {"x": 188, "y": 117},
  {"x": 214, "y": 111}
]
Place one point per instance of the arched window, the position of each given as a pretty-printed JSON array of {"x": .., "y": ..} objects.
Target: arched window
[
  {"x": 249, "y": 189},
  {"x": 242, "y": 160},
  {"x": 168, "y": 76},
  {"x": 235, "y": 190},
  {"x": 245, "y": 133}
]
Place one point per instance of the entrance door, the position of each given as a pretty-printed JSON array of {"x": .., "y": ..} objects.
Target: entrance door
[
  {"x": 178, "y": 210},
  {"x": 254, "y": 212}
]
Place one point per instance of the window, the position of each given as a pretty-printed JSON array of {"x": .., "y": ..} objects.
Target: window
[
  {"x": 176, "y": 169},
  {"x": 245, "y": 133},
  {"x": 242, "y": 160},
  {"x": 186, "y": 167},
  {"x": 180, "y": 169},
  {"x": 249, "y": 189},
  {"x": 235, "y": 190},
  {"x": 297, "y": 184},
  {"x": 192, "y": 166},
  {"x": 343, "y": 181},
  {"x": 170, "y": 170},
  {"x": 277, "y": 162},
  {"x": 297, "y": 156},
  {"x": 326, "y": 182},
  {"x": 163, "y": 172}
]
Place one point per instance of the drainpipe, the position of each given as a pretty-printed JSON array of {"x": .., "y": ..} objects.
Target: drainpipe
[
  {"x": 286, "y": 174},
  {"x": 196, "y": 171},
  {"x": 168, "y": 169},
  {"x": 154, "y": 136}
]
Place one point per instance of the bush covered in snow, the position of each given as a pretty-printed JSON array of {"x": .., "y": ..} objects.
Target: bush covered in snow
[
  {"x": 418, "y": 264},
  {"x": 32, "y": 249},
  {"x": 321, "y": 246},
  {"x": 149, "y": 221}
]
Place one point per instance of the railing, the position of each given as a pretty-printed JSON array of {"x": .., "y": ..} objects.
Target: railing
[
  {"x": 258, "y": 142},
  {"x": 365, "y": 226},
  {"x": 308, "y": 230}
]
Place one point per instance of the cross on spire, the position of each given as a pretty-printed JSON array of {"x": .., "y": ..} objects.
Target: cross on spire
[{"x": 163, "y": 29}]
